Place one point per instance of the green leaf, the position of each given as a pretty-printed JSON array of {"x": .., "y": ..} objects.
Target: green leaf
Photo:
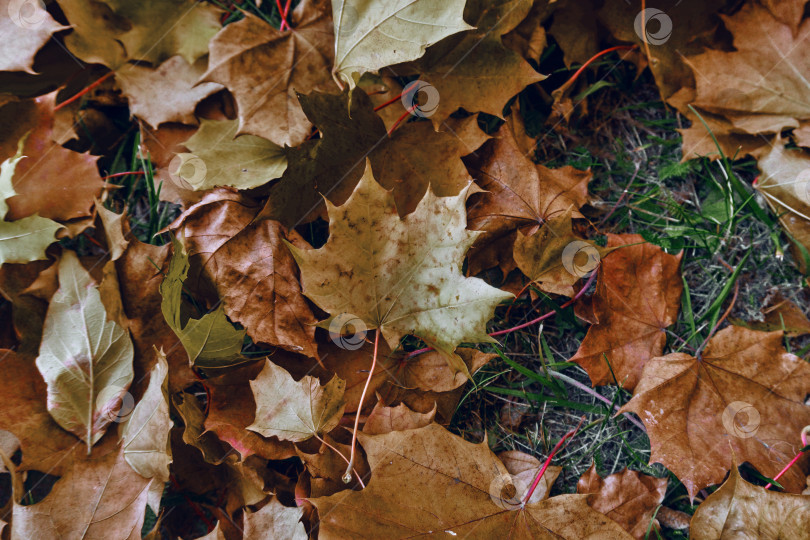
[
  {"x": 85, "y": 359},
  {"x": 372, "y": 35},
  {"x": 211, "y": 341}
]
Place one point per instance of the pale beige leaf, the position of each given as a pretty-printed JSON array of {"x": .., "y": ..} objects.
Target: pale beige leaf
[
  {"x": 25, "y": 27},
  {"x": 402, "y": 276},
  {"x": 275, "y": 521},
  {"x": 85, "y": 359},
  {"x": 146, "y": 431},
  {"x": 372, "y": 35},
  {"x": 295, "y": 411}
]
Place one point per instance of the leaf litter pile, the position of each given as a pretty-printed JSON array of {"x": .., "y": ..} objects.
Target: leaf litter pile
[{"x": 373, "y": 269}]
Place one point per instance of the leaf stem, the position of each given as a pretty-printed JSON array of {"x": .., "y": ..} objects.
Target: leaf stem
[
  {"x": 542, "y": 470},
  {"x": 793, "y": 461},
  {"x": 347, "y": 476},
  {"x": 344, "y": 458},
  {"x": 83, "y": 92}
]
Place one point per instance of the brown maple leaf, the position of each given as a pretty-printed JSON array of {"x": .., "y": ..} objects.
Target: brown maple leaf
[
  {"x": 517, "y": 193},
  {"x": 744, "y": 394},
  {"x": 244, "y": 262},
  {"x": 630, "y": 498},
  {"x": 264, "y": 68},
  {"x": 637, "y": 297},
  {"x": 453, "y": 488}
]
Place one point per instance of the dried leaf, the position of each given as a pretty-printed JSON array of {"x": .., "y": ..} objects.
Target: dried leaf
[
  {"x": 145, "y": 433},
  {"x": 554, "y": 257},
  {"x": 25, "y": 239},
  {"x": 745, "y": 394},
  {"x": 264, "y": 68},
  {"x": 85, "y": 359},
  {"x": 25, "y": 27},
  {"x": 166, "y": 93},
  {"x": 243, "y": 261},
  {"x": 275, "y": 521},
  {"x": 96, "y": 499},
  {"x": 523, "y": 469},
  {"x": 741, "y": 510},
  {"x": 387, "y": 419},
  {"x": 295, "y": 411},
  {"x": 219, "y": 158},
  {"x": 24, "y": 413},
  {"x": 401, "y": 276},
  {"x": 114, "y": 31},
  {"x": 638, "y": 294},
  {"x": 483, "y": 81},
  {"x": 628, "y": 497},
  {"x": 370, "y": 36},
  {"x": 210, "y": 341},
  {"x": 453, "y": 488}
]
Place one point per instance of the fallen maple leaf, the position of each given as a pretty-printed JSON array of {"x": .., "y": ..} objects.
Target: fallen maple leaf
[
  {"x": 114, "y": 31},
  {"x": 232, "y": 409},
  {"x": 145, "y": 433},
  {"x": 630, "y": 498},
  {"x": 295, "y": 410},
  {"x": 243, "y": 261},
  {"x": 745, "y": 393},
  {"x": 97, "y": 498},
  {"x": 483, "y": 81},
  {"x": 85, "y": 359},
  {"x": 369, "y": 36},
  {"x": 25, "y": 239},
  {"x": 264, "y": 68},
  {"x": 554, "y": 258},
  {"x": 523, "y": 469},
  {"x": 166, "y": 93},
  {"x": 741, "y": 510},
  {"x": 637, "y": 297},
  {"x": 275, "y": 521},
  {"x": 453, "y": 488},
  {"x": 211, "y": 341},
  {"x": 516, "y": 193},
  {"x": 219, "y": 158},
  {"x": 25, "y": 27},
  {"x": 785, "y": 184},
  {"x": 402, "y": 276}
]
